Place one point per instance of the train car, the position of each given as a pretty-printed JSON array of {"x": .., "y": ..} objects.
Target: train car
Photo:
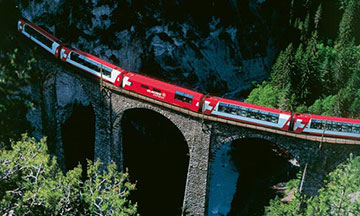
[
  {"x": 247, "y": 113},
  {"x": 40, "y": 37},
  {"x": 327, "y": 126},
  {"x": 162, "y": 91},
  {"x": 93, "y": 65}
]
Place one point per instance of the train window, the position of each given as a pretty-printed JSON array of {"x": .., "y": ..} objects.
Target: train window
[
  {"x": 106, "y": 71},
  {"x": 180, "y": 96},
  {"x": 38, "y": 36},
  {"x": 346, "y": 127},
  {"x": 156, "y": 90},
  {"x": 328, "y": 126},
  {"x": 268, "y": 118},
  {"x": 144, "y": 86},
  {"x": 75, "y": 57},
  {"x": 243, "y": 113},
  {"x": 316, "y": 124},
  {"x": 263, "y": 117},
  {"x": 248, "y": 112},
  {"x": 252, "y": 114},
  {"x": 356, "y": 128},
  {"x": 274, "y": 119},
  {"x": 335, "y": 126},
  {"x": 221, "y": 108},
  {"x": 82, "y": 60},
  {"x": 233, "y": 111}
]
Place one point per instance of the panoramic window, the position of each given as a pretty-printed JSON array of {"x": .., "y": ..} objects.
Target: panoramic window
[
  {"x": 248, "y": 112},
  {"x": 335, "y": 126},
  {"x": 38, "y": 36},
  {"x": 183, "y": 97},
  {"x": 106, "y": 71}
]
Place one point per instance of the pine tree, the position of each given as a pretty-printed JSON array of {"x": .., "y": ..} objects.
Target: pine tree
[
  {"x": 345, "y": 35},
  {"x": 317, "y": 17},
  {"x": 281, "y": 74}
]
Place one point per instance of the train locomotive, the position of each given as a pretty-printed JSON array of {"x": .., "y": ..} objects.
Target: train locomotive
[{"x": 188, "y": 99}]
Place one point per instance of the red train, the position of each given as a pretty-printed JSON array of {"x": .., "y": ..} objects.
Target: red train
[{"x": 192, "y": 100}]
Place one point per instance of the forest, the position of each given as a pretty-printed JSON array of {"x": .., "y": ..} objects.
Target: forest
[{"x": 319, "y": 72}]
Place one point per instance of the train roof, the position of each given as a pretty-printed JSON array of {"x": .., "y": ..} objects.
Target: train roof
[
  {"x": 268, "y": 109},
  {"x": 162, "y": 85}
]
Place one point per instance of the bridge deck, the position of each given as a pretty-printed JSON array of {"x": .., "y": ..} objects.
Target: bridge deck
[{"x": 231, "y": 122}]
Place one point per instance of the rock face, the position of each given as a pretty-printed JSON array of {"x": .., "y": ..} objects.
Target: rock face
[{"x": 217, "y": 47}]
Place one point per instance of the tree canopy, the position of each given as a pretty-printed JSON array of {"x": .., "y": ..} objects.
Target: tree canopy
[
  {"x": 315, "y": 74},
  {"x": 31, "y": 183}
]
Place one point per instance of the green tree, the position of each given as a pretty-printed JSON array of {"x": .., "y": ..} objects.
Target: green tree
[
  {"x": 283, "y": 68},
  {"x": 306, "y": 81},
  {"x": 324, "y": 106},
  {"x": 265, "y": 95},
  {"x": 317, "y": 17},
  {"x": 355, "y": 106},
  {"x": 345, "y": 35},
  {"x": 31, "y": 183},
  {"x": 316, "y": 76},
  {"x": 340, "y": 195}
]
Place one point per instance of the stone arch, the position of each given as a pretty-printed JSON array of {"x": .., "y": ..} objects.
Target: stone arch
[
  {"x": 240, "y": 167},
  {"x": 189, "y": 127},
  {"x": 301, "y": 150},
  {"x": 270, "y": 139},
  {"x": 156, "y": 155},
  {"x": 196, "y": 139}
]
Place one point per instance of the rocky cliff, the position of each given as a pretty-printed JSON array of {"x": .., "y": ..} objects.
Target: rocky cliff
[{"x": 216, "y": 47}]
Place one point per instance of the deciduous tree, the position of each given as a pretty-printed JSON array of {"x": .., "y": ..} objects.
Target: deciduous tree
[{"x": 31, "y": 183}]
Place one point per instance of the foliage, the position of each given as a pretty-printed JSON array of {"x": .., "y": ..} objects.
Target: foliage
[
  {"x": 31, "y": 183},
  {"x": 324, "y": 106},
  {"x": 14, "y": 74},
  {"x": 346, "y": 24},
  {"x": 312, "y": 75},
  {"x": 264, "y": 95},
  {"x": 340, "y": 195},
  {"x": 106, "y": 193}
]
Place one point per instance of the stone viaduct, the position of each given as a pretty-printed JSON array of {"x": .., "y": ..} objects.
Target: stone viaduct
[{"x": 60, "y": 90}]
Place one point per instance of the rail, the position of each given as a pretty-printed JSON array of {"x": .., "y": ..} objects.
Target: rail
[{"x": 231, "y": 122}]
